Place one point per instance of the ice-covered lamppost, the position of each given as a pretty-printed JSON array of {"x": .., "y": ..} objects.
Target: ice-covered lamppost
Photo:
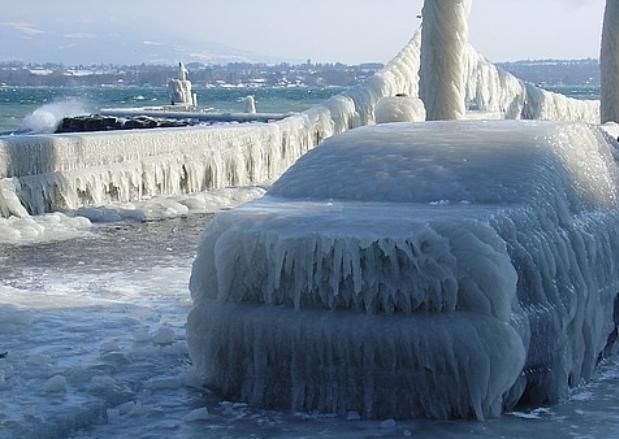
[
  {"x": 444, "y": 37},
  {"x": 609, "y": 60}
]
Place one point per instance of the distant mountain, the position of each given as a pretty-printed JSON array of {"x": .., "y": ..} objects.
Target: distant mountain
[{"x": 28, "y": 42}]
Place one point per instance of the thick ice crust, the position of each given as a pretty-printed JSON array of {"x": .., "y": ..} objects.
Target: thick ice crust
[
  {"x": 435, "y": 366},
  {"x": 513, "y": 224}
]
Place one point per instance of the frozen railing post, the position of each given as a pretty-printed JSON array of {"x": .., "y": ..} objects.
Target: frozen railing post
[
  {"x": 609, "y": 60},
  {"x": 444, "y": 36}
]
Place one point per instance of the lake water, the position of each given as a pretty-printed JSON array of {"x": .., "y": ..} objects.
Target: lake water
[{"x": 17, "y": 102}]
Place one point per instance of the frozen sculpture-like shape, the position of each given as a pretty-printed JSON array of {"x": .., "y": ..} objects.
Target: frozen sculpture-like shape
[
  {"x": 400, "y": 108},
  {"x": 407, "y": 271},
  {"x": 444, "y": 36},
  {"x": 180, "y": 89},
  {"x": 609, "y": 63}
]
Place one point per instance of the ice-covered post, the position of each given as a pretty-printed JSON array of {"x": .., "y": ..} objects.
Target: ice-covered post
[
  {"x": 444, "y": 36},
  {"x": 250, "y": 105},
  {"x": 609, "y": 60}
]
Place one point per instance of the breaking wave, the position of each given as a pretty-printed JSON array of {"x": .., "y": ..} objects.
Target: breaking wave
[{"x": 45, "y": 119}]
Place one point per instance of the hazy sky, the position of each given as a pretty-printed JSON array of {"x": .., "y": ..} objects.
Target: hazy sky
[{"x": 325, "y": 30}]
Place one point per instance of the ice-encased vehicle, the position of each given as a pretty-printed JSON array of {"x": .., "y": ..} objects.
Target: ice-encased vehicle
[{"x": 442, "y": 270}]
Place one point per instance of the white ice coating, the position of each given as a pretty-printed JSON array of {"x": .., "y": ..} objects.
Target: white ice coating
[
  {"x": 399, "y": 109},
  {"x": 180, "y": 89},
  {"x": 443, "y": 44},
  {"x": 490, "y": 89},
  {"x": 250, "y": 105},
  {"x": 404, "y": 271},
  {"x": 609, "y": 63}
]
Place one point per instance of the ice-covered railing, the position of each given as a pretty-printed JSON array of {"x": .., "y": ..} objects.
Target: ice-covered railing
[
  {"x": 490, "y": 89},
  {"x": 51, "y": 172}
]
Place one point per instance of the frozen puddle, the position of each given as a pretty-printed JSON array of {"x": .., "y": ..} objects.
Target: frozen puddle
[{"x": 95, "y": 340}]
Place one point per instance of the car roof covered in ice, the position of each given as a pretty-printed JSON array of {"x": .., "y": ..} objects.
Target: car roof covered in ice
[{"x": 486, "y": 162}]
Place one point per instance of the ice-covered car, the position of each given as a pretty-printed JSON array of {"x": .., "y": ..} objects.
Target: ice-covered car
[{"x": 442, "y": 270}]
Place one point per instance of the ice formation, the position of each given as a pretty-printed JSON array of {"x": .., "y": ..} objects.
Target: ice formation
[
  {"x": 250, "y": 105},
  {"x": 160, "y": 208},
  {"x": 403, "y": 271},
  {"x": 400, "y": 109},
  {"x": 51, "y": 172},
  {"x": 443, "y": 46},
  {"x": 180, "y": 89},
  {"x": 609, "y": 63}
]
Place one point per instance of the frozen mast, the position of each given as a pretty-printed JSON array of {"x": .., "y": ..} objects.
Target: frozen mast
[
  {"x": 443, "y": 43},
  {"x": 609, "y": 61}
]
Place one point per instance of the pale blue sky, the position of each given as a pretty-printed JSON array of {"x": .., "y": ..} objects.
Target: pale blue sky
[{"x": 323, "y": 30}]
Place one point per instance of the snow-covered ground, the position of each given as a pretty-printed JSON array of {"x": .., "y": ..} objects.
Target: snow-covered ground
[{"x": 94, "y": 330}]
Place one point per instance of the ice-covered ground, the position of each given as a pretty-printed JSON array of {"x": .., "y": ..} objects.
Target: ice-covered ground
[
  {"x": 96, "y": 349},
  {"x": 57, "y": 226}
]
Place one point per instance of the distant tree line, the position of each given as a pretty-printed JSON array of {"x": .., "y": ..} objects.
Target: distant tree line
[
  {"x": 546, "y": 72},
  {"x": 18, "y": 74}
]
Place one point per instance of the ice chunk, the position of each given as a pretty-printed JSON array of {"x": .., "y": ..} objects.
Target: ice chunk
[
  {"x": 164, "y": 335},
  {"x": 48, "y": 227},
  {"x": 400, "y": 109},
  {"x": 56, "y": 384},
  {"x": 197, "y": 415}
]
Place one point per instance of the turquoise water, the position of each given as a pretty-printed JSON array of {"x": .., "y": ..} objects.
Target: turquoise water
[
  {"x": 18, "y": 102},
  {"x": 581, "y": 92}
]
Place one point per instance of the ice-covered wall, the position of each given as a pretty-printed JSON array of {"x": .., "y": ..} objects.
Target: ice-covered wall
[
  {"x": 403, "y": 271},
  {"x": 609, "y": 60},
  {"x": 50, "y": 172},
  {"x": 444, "y": 39},
  {"x": 66, "y": 172}
]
